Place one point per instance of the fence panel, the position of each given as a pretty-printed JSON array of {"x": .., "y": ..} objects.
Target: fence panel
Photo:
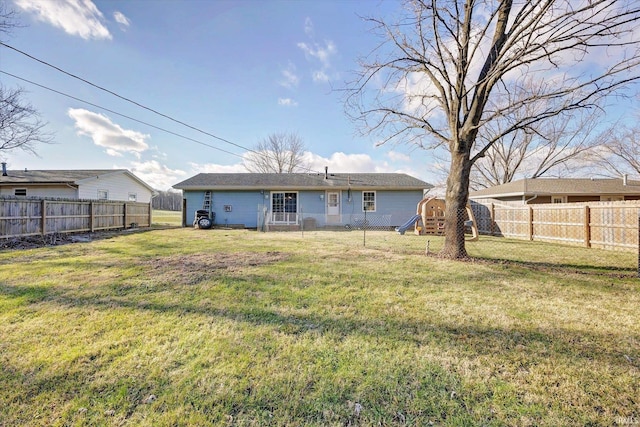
[
  {"x": 551, "y": 223},
  {"x": 69, "y": 216},
  {"x": 605, "y": 225},
  {"x": 138, "y": 214},
  {"x": 29, "y": 217},
  {"x": 21, "y": 218},
  {"x": 511, "y": 221},
  {"x": 614, "y": 227}
]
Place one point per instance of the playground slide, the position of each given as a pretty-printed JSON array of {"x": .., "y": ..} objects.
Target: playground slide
[{"x": 407, "y": 224}]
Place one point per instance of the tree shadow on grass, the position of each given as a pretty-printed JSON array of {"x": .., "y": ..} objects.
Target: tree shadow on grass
[
  {"x": 471, "y": 339},
  {"x": 564, "y": 268}
]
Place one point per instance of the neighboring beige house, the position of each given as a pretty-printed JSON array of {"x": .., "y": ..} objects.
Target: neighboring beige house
[
  {"x": 561, "y": 190},
  {"x": 91, "y": 184}
]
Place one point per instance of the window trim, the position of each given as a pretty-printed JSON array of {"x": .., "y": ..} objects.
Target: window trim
[
  {"x": 133, "y": 197},
  {"x": 106, "y": 193},
  {"x": 367, "y": 203},
  {"x": 286, "y": 219}
]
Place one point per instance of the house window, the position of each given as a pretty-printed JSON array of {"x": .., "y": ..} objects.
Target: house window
[
  {"x": 103, "y": 194},
  {"x": 284, "y": 207},
  {"x": 20, "y": 192},
  {"x": 133, "y": 197},
  {"x": 369, "y": 201},
  {"x": 558, "y": 199}
]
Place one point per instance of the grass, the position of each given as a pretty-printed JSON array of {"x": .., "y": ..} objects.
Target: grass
[
  {"x": 228, "y": 327},
  {"x": 161, "y": 217}
]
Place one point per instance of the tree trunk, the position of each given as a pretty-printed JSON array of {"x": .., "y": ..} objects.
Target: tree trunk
[{"x": 456, "y": 200}]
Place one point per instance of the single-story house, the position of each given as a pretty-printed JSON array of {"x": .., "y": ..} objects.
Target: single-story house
[
  {"x": 561, "y": 190},
  {"x": 91, "y": 184},
  {"x": 271, "y": 201}
]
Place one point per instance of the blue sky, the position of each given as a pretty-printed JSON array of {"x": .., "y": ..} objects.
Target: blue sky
[{"x": 240, "y": 70}]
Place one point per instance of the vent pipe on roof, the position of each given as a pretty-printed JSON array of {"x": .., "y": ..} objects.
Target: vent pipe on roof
[
  {"x": 4, "y": 168},
  {"x": 326, "y": 172},
  {"x": 624, "y": 179}
]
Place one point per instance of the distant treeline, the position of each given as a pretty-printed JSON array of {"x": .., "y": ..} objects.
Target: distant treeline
[{"x": 167, "y": 201}]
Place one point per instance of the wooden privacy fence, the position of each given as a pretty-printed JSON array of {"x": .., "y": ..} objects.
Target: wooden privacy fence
[
  {"x": 29, "y": 217},
  {"x": 605, "y": 225}
]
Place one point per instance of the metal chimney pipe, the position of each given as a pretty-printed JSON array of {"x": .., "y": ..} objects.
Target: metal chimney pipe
[
  {"x": 4, "y": 168},
  {"x": 326, "y": 172},
  {"x": 625, "y": 178}
]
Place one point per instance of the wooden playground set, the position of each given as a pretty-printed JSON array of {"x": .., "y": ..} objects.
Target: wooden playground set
[{"x": 429, "y": 219}]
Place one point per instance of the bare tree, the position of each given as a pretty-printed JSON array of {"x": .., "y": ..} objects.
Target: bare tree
[
  {"x": 20, "y": 124},
  {"x": 167, "y": 200},
  {"x": 451, "y": 67},
  {"x": 560, "y": 145},
  {"x": 619, "y": 153},
  {"x": 279, "y": 153},
  {"x": 8, "y": 19}
]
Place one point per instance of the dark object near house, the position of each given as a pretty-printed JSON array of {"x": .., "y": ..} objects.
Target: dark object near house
[{"x": 203, "y": 220}]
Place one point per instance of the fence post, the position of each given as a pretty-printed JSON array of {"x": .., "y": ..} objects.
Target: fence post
[
  {"x": 124, "y": 216},
  {"x": 492, "y": 221},
  {"x": 638, "y": 243},
  {"x": 43, "y": 225},
  {"x": 530, "y": 228},
  {"x": 587, "y": 226},
  {"x": 92, "y": 219}
]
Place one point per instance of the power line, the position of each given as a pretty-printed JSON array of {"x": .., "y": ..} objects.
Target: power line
[
  {"x": 135, "y": 103},
  {"x": 120, "y": 114},
  {"x": 123, "y": 97}
]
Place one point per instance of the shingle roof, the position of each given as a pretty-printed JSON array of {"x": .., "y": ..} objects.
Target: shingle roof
[
  {"x": 299, "y": 181},
  {"x": 560, "y": 186},
  {"x": 59, "y": 176}
]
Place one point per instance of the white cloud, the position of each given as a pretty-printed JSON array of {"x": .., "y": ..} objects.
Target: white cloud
[
  {"x": 107, "y": 134},
  {"x": 287, "y": 102},
  {"x": 113, "y": 152},
  {"x": 76, "y": 17},
  {"x": 338, "y": 163},
  {"x": 291, "y": 79},
  {"x": 320, "y": 76},
  {"x": 157, "y": 175},
  {"x": 341, "y": 162},
  {"x": 214, "y": 168},
  {"x": 121, "y": 19},
  {"x": 363, "y": 163},
  {"x": 321, "y": 53},
  {"x": 394, "y": 156},
  {"x": 308, "y": 27}
]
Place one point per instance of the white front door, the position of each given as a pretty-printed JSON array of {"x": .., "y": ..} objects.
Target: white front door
[{"x": 333, "y": 203}]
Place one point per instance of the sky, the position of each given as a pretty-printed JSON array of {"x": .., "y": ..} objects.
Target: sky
[
  {"x": 232, "y": 72},
  {"x": 171, "y": 88}
]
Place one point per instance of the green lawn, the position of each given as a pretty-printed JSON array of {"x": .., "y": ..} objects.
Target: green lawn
[
  {"x": 167, "y": 217},
  {"x": 240, "y": 328}
]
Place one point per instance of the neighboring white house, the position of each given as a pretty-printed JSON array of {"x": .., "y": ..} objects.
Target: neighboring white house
[{"x": 92, "y": 184}]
